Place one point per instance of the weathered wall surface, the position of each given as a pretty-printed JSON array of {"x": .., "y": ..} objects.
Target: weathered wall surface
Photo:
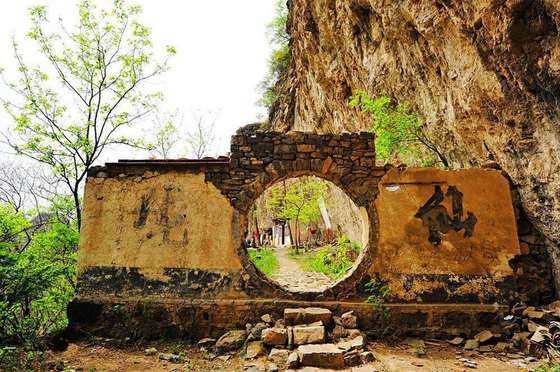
[
  {"x": 159, "y": 231},
  {"x": 161, "y": 247},
  {"x": 485, "y": 75},
  {"x": 158, "y": 220},
  {"x": 174, "y": 230},
  {"x": 456, "y": 266},
  {"x": 404, "y": 245}
]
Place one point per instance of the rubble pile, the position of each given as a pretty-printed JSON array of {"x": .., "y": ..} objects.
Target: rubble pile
[
  {"x": 304, "y": 337},
  {"x": 528, "y": 329}
]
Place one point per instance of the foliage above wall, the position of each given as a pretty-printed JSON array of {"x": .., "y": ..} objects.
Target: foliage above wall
[
  {"x": 280, "y": 57},
  {"x": 399, "y": 132}
]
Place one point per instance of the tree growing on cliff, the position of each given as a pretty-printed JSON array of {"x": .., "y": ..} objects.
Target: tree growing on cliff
[
  {"x": 90, "y": 90},
  {"x": 399, "y": 131},
  {"x": 280, "y": 57}
]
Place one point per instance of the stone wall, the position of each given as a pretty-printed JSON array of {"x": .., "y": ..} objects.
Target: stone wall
[{"x": 167, "y": 234}]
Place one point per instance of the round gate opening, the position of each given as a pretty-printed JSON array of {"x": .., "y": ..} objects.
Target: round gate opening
[{"x": 306, "y": 234}]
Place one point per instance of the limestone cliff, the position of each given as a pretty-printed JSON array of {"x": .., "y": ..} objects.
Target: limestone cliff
[{"x": 484, "y": 74}]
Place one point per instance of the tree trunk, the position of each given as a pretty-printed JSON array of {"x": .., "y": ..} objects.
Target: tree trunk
[{"x": 78, "y": 206}]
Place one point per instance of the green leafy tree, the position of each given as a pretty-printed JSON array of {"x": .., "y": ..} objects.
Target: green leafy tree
[
  {"x": 91, "y": 88},
  {"x": 297, "y": 202},
  {"x": 37, "y": 279},
  {"x": 12, "y": 226},
  {"x": 280, "y": 57},
  {"x": 399, "y": 131},
  {"x": 166, "y": 136}
]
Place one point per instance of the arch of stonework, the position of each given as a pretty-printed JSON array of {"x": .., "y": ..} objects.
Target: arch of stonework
[
  {"x": 261, "y": 159},
  {"x": 161, "y": 240}
]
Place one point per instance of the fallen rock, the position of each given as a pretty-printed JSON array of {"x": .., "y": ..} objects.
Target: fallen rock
[
  {"x": 367, "y": 357},
  {"x": 206, "y": 342},
  {"x": 418, "y": 346},
  {"x": 553, "y": 305},
  {"x": 353, "y": 333},
  {"x": 501, "y": 347},
  {"x": 531, "y": 313},
  {"x": 293, "y": 361},
  {"x": 275, "y": 336},
  {"x": 279, "y": 356},
  {"x": 532, "y": 326},
  {"x": 256, "y": 331},
  {"x": 307, "y": 315},
  {"x": 355, "y": 343},
  {"x": 254, "y": 350},
  {"x": 540, "y": 335},
  {"x": 471, "y": 344},
  {"x": 349, "y": 320},
  {"x": 485, "y": 348},
  {"x": 321, "y": 355},
  {"x": 484, "y": 336},
  {"x": 304, "y": 335},
  {"x": 231, "y": 341},
  {"x": 151, "y": 351},
  {"x": 173, "y": 358},
  {"x": 457, "y": 341}
]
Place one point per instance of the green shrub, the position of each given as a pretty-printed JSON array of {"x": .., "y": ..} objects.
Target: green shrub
[
  {"x": 37, "y": 277},
  {"x": 264, "y": 259},
  {"x": 280, "y": 58},
  {"x": 549, "y": 367},
  {"x": 377, "y": 293},
  {"x": 399, "y": 132},
  {"x": 333, "y": 261}
]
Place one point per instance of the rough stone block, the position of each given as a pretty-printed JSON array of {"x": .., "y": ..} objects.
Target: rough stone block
[
  {"x": 275, "y": 336},
  {"x": 321, "y": 355},
  {"x": 279, "y": 356},
  {"x": 254, "y": 349},
  {"x": 307, "y": 315},
  {"x": 304, "y": 335},
  {"x": 349, "y": 320},
  {"x": 231, "y": 340}
]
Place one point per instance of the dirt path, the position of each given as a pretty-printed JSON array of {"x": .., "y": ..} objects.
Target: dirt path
[
  {"x": 88, "y": 357},
  {"x": 291, "y": 275}
]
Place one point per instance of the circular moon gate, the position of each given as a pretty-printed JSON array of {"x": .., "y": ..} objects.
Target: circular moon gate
[
  {"x": 259, "y": 160},
  {"x": 348, "y": 281}
]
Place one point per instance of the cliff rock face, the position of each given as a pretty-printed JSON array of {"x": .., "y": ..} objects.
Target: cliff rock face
[{"x": 484, "y": 74}]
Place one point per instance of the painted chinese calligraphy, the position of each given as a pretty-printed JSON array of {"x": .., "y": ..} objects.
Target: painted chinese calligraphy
[{"x": 439, "y": 222}]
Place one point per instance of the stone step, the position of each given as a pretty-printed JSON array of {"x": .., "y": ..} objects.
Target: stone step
[
  {"x": 307, "y": 315},
  {"x": 321, "y": 355}
]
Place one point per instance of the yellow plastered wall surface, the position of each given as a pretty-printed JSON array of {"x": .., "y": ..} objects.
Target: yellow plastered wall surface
[
  {"x": 169, "y": 220},
  {"x": 403, "y": 241}
]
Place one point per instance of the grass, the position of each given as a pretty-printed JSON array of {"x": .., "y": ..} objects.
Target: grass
[
  {"x": 264, "y": 259},
  {"x": 548, "y": 368},
  {"x": 331, "y": 260}
]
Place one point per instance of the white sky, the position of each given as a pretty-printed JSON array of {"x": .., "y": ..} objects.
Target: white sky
[{"x": 222, "y": 54}]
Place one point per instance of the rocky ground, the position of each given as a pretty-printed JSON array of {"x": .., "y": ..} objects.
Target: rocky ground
[
  {"x": 102, "y": 356},
  {"x": 313, "y": 338}
]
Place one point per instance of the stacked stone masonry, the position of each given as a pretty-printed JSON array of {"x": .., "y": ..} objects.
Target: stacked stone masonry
[{"x": 162, "y": 239}]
